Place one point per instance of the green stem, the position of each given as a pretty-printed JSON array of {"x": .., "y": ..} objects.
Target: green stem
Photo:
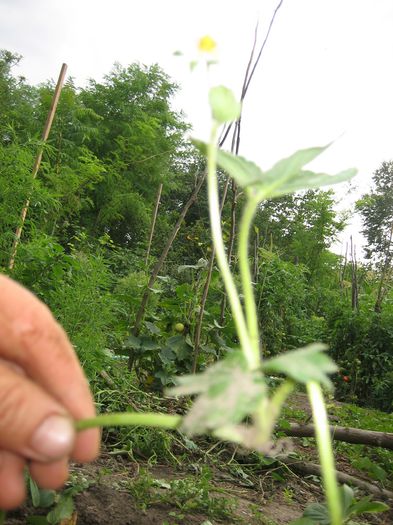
[
  {"x": 325, "y": 449},
  {"x": 246, "y": 278},
  {"x": 269, "y": 410},
  {"x": 215, "y": 222},
  {"x": 147, "y": 419}
]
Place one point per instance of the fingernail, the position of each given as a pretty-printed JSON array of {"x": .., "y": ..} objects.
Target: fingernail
[{"x": 54, "y": 438}]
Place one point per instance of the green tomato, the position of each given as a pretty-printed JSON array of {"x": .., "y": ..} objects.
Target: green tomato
[{"x": 179, "y": 327}]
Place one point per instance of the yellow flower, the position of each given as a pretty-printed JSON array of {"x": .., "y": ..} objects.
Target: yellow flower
[{"x": 207, "y": 44}]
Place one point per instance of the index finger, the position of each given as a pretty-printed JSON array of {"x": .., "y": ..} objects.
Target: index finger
[{"x": 32, "y": 338}]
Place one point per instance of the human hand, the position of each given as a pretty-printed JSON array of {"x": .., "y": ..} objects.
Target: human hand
[{"x": 42, "y": 390}]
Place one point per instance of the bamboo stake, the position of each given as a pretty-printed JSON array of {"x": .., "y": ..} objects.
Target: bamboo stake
[
  {"x": 235, "y": 145},
  {"x": 158, "y": 265},
  {"x": 153, "y": 223},
  {"x": 355, "y": 290},
  {"x": 37, "y": 163}
]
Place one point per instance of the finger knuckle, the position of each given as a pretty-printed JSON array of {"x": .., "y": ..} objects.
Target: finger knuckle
[
  {"x": 36, "y": 329},
  {"x": 13, "y": 402}
]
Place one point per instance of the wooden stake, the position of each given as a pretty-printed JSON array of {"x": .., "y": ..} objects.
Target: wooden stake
[
  {"x": 153, "y": 223},
  {"x": 37, "y": 163}
]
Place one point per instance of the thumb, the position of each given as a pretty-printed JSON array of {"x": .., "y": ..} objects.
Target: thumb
[{"x": 32, "y": 423}]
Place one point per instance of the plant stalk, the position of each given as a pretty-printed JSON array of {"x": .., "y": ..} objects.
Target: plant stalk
[
  {"x": 246, "y": 278},
  {"x": 215, "y": 222},
  {"x": 325, "y": 449},
  {"x": 147, "y": 419}
]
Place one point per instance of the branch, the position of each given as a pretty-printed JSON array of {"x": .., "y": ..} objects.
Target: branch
[
  {"x": 306, "y": 468},
  {"x": 347, "y": 434}
]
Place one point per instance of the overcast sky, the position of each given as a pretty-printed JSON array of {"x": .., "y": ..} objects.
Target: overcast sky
[{"x": 326, "y": 72}]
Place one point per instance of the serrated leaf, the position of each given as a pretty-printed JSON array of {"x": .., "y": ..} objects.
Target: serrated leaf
[
  {"x": 148, "y": 344},
  {"x": 228, "y": 392},
  {"x": 286, "y": 176},
  {"x": 152, "y": 328},
  {"x": 307, "y": 180},
  {"x": 318, "y": 513},
  {"x": 132, "y": 342},
  {"x": 285, "y": 168},
  {"x": 167, "y": 355},
  {"x": 224, "y": 106},
  {"x": 304, "y": 365}
]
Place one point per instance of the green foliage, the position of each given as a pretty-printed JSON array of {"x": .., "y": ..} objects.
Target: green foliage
[
  {"x": 225, "y": 107},
  {"x": 318, "y": 514},
  {"x": 138, "y": 144},
  {"x": 285, "y": 177},
  {"x": 15, "y": 187},
  {"x": 189, "y": 495},
  {"x": 228, "y": 392},
  {"x": 282, "y": 294},
  {"x": 304, "y": 365},
  {"x": 86, "y": 309},
  {"x": 361, "y": 343},
  {"x": 376, "y": 209}
]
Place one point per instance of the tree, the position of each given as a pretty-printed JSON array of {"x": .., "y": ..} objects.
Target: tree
[
  {"x": 141, "y": 144},
  {"x": 301, "y": 227},
  {"x": 376, "y": 209},
  {"x": 17, "y": 100}
]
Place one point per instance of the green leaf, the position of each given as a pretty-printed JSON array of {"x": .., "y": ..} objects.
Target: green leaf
[
  {"x": 374, "y": 470},
  {"x": 63, "y": 510},
  {"x": 36, "y": 520},
  {"x": 132, "y": 342},
  {"x": 202, "y": 263},
  {"x": 304, "y": 365},
  {"x": 307, "y": 180},
  {"x": 34, "y": 492},
  {"x": 286, "y": 168},
  {"x": 152, "y": 328},
  {"x": 318, "y": 513},
  {"x": 224, "y": 106},
  {"x": 180, "y": 346},
  {"x": 47, "y": 497},
  {"x": 148, "y": 344},
  {"x": 346, "y": 499},
  {"x": 365, "y": 505},
  {"x": 243, "y": 171},
  {"x": 285, "y": 177},
  {"x": 167, "y": 355},
  {"x": 228, "y": 392}
]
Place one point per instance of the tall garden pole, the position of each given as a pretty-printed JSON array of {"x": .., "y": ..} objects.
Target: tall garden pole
[
  {"x": 37, "y": 163},
  {"x": 153, "y": 223},
  {"x": 250, "y": 70}
]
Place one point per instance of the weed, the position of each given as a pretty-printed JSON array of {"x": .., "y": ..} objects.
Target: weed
[{"x": 188, "y": 495}]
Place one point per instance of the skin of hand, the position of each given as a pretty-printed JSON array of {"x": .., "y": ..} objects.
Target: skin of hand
[{"x": 42, "y": 392}]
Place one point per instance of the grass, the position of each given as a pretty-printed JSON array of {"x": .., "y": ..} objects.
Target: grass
[{"x": 193, "y": 494}]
